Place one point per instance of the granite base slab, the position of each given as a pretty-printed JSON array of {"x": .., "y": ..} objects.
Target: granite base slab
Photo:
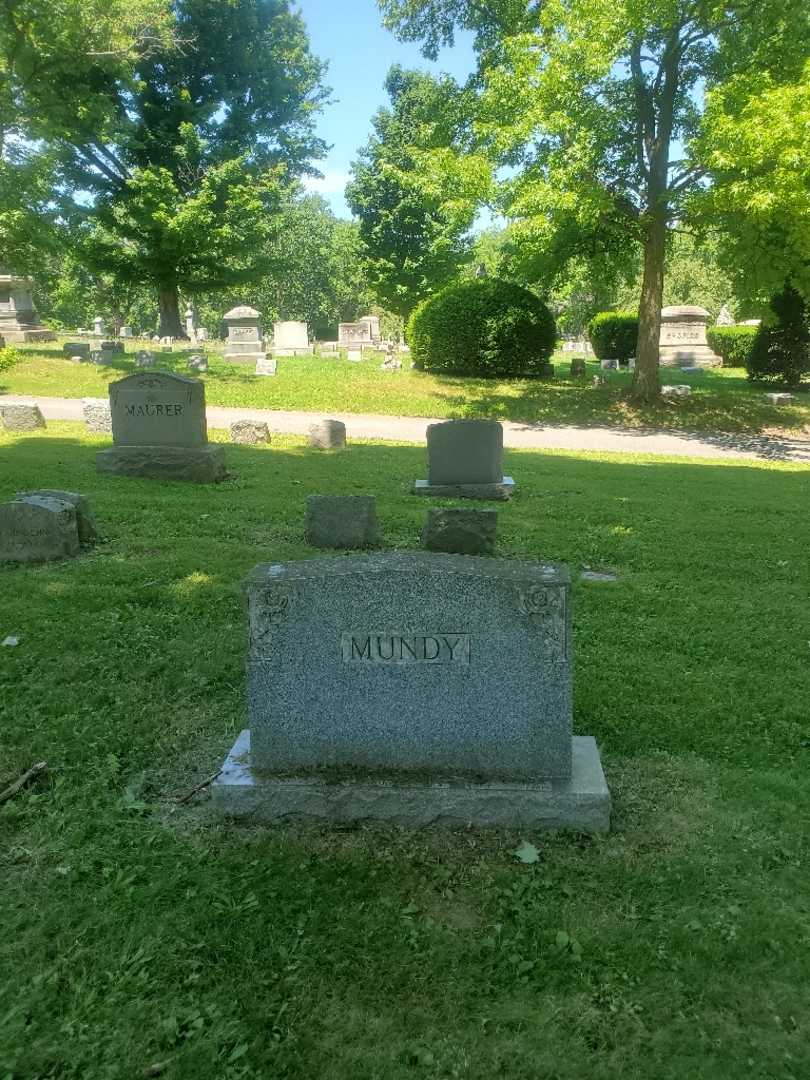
[
  {"x": 502, "y": 490},
  {"x": 581, "y": 804},
  {"x": 197, "y": 464}
]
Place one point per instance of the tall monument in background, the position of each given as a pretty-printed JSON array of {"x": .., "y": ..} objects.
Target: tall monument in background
[{"x": 19, "y": 321}]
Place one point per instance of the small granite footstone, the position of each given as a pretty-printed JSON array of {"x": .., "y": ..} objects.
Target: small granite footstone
[
  {"x": 37, "y": 529},
  {"x": 416, "y": 688},
  {"x": 22, "y": 417},
  {"x": 465, "y": 460},
  {"x": 460, "y": 531},
  {"x": 96, "y": 412},
  {"x": 693, "y": 370},
  {"x": 72, "y": 349},
  {"x": 344, "y": 522},
  {"x": 328, "y": 435},
  {"x": 597, "y": 575},
  {"x": 609, "y": 365},
  {"x": 85, "y": 521},
  {"x": 266, "y": 365},
  {"x": 681, "y": 390},
  {"x": 198, "y": 363},
  {"x": 779, "y": 399},
  {"x": 144, "y": 358},
  {"x": 355, "y": 355},
  {"x": 250, "y": 432}
]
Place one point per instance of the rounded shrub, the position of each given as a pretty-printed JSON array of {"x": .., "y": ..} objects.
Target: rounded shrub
[
  {"x": 613, "y": 335},
  {"x": 732, "y": 343},
  {"x": 781, "y": 350},
  {"x": 9, "y": 356},
  {"x": 483, "y": 327}
]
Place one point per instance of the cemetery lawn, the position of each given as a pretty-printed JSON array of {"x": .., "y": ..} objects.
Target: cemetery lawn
[
  {"x": 722, "y": 400},
  {"x": 143, "y": 937}
]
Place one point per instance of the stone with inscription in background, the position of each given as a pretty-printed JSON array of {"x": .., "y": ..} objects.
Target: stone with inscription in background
[
  {"x": 198, "y": 362},
  {"x": 460, "y": 531},
  {"x": 682, "y": 341},
  {"x": 266, "y": 365},
  {"x": 415, "y": 688},
  {"x": 19, "y": 321},
  {"x": 72, "y": 349},
  {"x": 680, "y": 391},
  {"x": 244, "y": 344},
  {"x": 250, "y": 432},
  {"x": 37, "y": 529},
  {"x": 356, "y": 333},
  {"x": 144, "y": 358},
  {"x": 291, "y": 338},
  {"x": 96, "y": 413},
  {"x": 159, "y": 430},
  {"x": 328, "y": 435},
  {"x": 465, "y": 461},
  {"x": 22, "y": 416},
  {"x": 344, "y": 522}
]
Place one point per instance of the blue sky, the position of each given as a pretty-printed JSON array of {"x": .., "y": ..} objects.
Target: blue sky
[{"x": 350, "y": 36}]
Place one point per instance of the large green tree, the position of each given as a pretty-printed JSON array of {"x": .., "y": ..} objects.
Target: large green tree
[
  {"x": 414, "y": 194},
  {"x": 188, "y": 174},
  {"x": 593, "y": 102},
  {"x": 59, "y": 63}
]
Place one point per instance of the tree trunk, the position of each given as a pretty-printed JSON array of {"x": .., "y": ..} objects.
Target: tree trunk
[
  {"x": 169, "y": 307},
  {"x": 647, "y": 382}
]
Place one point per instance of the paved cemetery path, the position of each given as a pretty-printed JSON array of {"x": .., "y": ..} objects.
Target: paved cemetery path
[{"x": 520, "y": 436}]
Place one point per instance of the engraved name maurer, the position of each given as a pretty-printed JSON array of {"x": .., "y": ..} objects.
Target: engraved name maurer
[
  {"x": 154, "y": 410},
  {"x": 405, "y": 648}
]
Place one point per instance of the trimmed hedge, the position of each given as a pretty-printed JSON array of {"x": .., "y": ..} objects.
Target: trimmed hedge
[
  {"x": 733, "y": 343},
  {"x": 613, "y": 335},
  {"x": 483, "y": 327},
  {"x": 781, "y": 351}
]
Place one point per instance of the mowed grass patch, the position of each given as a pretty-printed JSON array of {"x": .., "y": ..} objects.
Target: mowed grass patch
[
  {"x": 139, "y": 935},
  {"x": 722, "y": 400}
]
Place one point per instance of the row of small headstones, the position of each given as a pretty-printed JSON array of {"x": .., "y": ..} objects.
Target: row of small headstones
[{"x": 50, "y": 524}]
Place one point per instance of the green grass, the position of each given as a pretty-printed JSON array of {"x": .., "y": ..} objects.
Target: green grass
[
  {"x": 721, "y": 401},
  {"x": 136, "y": 933}
]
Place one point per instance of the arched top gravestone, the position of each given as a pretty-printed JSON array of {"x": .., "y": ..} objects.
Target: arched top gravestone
[{"x": 157, "y": 408}]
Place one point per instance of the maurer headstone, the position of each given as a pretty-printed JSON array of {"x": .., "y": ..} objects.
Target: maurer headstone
[
  {"x": 159, "y": 430},
  {"x": 413, "y": 688},
  {"x": 682, "y": 341},
  {"x": 465, "y": 460}
]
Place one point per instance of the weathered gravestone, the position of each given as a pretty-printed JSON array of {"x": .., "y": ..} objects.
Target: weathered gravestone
[
  {"x": 682, "y": 341},
  {"x": 198, "y": 362},
  {"x": 413, "y": 688},
  {"x": 244, "y": 344},
  {"x": 85, "y": 521},
  {"x": 249, "y": 432},
  {"x": 291, "y": 339},
  {"x": 76, "y": 348},
  {"x": 37, "y": 529},
  {"x": 460, "y": 531},
  {"x": 578, "y": 367},
  {"x": 22, "y": 417},
  {"x": 465, "y": 460},
  {"x": 328, "y": 435},
  {"x": 97, "y": 418},
  {"x": 159, "y": 430},
  {"x": 342, "y": 521},
  {"x": 266, "y": 365},
  {"x": 19, "y": 321},
  {"x": 144, "y": 358},
  {"x": 355, "y": 355}
]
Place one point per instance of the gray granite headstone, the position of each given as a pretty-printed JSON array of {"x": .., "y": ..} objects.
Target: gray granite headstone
[
  {"x": 342, "y": 521},
  {"x": 465, "y": 459},
  {"x": 76, "y": 348},
  {"x": 328, "y": 435},
  {"x": 22, "y": 417},
  {"x": 578, "y": 368},
  {"x": 144, "y": 358},
  {"x": 85, "y": 521},
  {"x": 460, "y": 531},
  {"x": 159, "y": 430},
  {"x": 414, "y": 688},
  {"x": 37, "y": 529}
]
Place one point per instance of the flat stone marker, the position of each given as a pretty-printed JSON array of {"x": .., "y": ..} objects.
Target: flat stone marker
[
  {"x": 609, "y": 365},
  {"x": 460, "y": 531},
  {"x": 681, "y": 390},
  {"x": 412, "y": 688},
  {"x": 85, "y": 521},
  {"x": 38, "y": 529},
  {"x": 144, "y": 358},
  {"x": 341, "y": 521},
  {"x": 22, "y": 417},
  {"x": 355, "y": 355},
  {"x": 779, "y": 399},
  {"x": 97, "y": 418},
  {"x": 465, "y": 460},
  {"x": 250, "y": 432},
  {"x": 266, "y": 365},
  {"x": 328, "y": 435},
  {"x": 159, "y": 430},
  {"x": 198, "y": 363}
]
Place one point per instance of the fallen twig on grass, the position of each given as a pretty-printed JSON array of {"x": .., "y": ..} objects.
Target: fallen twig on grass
[
  {"x": 26, "y": 778},
  {"x": 190, "y": 794}
]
